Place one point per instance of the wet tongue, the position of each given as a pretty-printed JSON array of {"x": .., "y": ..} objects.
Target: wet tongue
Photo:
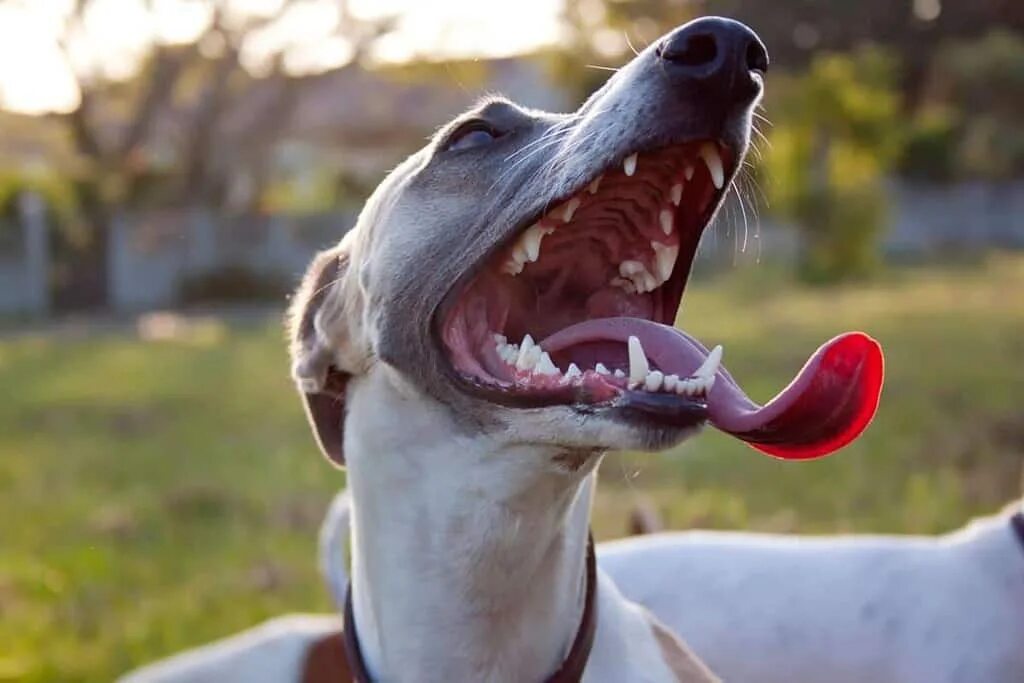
[{"x": 826, "y": 406}]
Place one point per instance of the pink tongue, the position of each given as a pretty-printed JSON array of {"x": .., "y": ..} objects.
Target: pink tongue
[{"x": 826, "y": 406}]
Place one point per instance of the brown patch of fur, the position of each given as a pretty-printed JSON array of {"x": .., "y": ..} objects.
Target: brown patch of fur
[
  {"x": 683, "y": 663},
  {"x": 325, "y": 661}
]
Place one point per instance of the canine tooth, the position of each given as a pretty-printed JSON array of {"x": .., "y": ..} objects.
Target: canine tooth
[
  {"x": 573, "y": 371},
  {"x": 619, "y": 373},
  {"x": 688, "y": 172},
  {"x": 570, "y": 209},
  {"x": 666, "y": 220},
  {"x": 629, "y": 164},
  {"x": 665, "y": 259},
  {"x": 670, "y": 382},
  {"x": 628, "y": 269},
  {"x": 709, "y": 153},
  {"x": 654, "y": 380},
  {"x": 592, "y": 187},
  {"x": 545, "y": 366},
  {"x": 531, "y": 239},
  {"x": 601, "y": 369},
  {"x": 676, "y": 195},
  {"x": 525, "y": 359},
  {"x": 638, "y": 367},
  {"x": 710, "y": 365}
]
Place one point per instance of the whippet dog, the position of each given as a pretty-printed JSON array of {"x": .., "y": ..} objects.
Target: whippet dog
[
  {"x": 500, "y": 316},
  {"x": 762, "y": 608}
]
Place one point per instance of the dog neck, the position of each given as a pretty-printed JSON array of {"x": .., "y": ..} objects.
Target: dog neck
[{"x": 468, "y": 553}]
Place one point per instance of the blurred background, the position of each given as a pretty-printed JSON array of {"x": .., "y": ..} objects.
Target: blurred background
[{"x": 168, "y": 168}]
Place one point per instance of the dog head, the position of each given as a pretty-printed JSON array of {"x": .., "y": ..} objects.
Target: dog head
[{"x": 524, "y": 269}]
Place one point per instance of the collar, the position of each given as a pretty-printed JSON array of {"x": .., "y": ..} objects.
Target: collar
[
  {"x": 573, "y": 665},
  {"x": 1017, "y": 522}
]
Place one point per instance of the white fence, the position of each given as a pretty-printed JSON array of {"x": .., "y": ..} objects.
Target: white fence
[{"x": 152, "y": 255}]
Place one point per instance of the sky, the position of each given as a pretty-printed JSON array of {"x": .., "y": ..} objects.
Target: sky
[{"x": 37, "y": 77}]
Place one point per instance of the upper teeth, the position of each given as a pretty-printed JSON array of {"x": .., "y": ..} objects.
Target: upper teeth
[
  {"x": 629, "y": 164},
  {"x": 709, "y": 153},
  {"x": 636, "y": 276},
  {"x": 665, "y": 259},
  {"x": 676, "y": 194}
]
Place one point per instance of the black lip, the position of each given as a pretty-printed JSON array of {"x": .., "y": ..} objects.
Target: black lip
[{"x": 664, "y": 409}]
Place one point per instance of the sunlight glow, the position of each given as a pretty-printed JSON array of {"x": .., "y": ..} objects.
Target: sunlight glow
[{"x": 36, "y": 77}]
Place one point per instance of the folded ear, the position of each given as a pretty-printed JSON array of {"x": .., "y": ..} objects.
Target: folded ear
[{"x": 320, "y": 335}]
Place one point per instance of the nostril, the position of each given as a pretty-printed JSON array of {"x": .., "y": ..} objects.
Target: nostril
[
  {"x": 757, "y": 58},
  {"x": 695, "y": 50}
]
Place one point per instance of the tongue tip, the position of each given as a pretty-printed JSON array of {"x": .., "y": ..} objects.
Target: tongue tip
[{"x": 851, "y": 365}]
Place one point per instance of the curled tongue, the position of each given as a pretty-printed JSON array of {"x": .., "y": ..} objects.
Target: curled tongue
[
  {"x": 829, "y": 403},
  {"x": 826, "y": 406}
]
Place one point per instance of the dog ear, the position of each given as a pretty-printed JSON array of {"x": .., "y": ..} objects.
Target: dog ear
[{"x": 319, "y": 333}]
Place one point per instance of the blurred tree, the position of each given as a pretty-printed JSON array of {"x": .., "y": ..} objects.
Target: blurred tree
[
  {"x": 834, "y": 140},
  {"x": 914, "y": 31},
  {"x": 163, "y": 127}
]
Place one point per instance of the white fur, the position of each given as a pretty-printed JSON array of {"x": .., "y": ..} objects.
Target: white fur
[
  {"x": 469, "y": 551},
  {"x": 467, "y": 565},
  {"x": 846, "y": 609},
  {"x": 272, "y": 651}
]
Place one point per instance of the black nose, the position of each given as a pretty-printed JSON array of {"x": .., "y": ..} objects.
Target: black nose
[{"x": 719, "y": 54}]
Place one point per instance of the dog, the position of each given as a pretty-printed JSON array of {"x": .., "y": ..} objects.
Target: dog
[
  {"x": 500, "y": 316},
  {"x": 763, "y": 608}
]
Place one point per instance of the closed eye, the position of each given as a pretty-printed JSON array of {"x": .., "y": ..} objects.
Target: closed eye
[{"x": 472, "y": 134}]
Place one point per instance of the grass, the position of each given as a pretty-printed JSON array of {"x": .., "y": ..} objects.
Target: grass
[{"x": 156, "y": 495}]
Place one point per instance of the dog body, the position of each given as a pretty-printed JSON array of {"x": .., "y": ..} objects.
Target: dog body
[{"x": 764, "y": 608}]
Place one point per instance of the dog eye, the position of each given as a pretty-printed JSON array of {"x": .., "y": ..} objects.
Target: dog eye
[{"x": 472, "y": 134}]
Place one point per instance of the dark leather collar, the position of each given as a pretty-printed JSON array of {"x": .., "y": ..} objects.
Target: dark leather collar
[
  {"x": 572, "y": 667},
  {"x": 1017, "y": 522}
]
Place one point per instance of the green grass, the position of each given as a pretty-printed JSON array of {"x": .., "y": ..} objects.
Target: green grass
[{"x": 156, "y": 495}]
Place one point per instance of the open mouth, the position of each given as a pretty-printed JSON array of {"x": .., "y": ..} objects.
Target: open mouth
[{"x": 578, "y": 310}]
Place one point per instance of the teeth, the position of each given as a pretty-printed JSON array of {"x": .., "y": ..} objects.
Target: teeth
[
  {"x": 670, "y": 382},
  {"x": 676, "y": 195},
  {"x": 665, "y": 259},
  {"x": 624, "y": 284},
  {"x": 570, "y": 209},
  {"x": 628, "y": 269},
  {"x": 509, "y": 353},
  {"x": 500, "y": 339},
  {"x": 545, "y": 366},
  {"x": 619, "y": 374},
  {"x": 686, "y": 387},
  {"x": 709, "y": 153},
  {"x": 629, "y": 164},
  {"x": 710, "y": 365},
  {"x": 688, "y": 173},
  {"x": 638, "y": 366},
  {"x": 601, "y": 369},
  {"x": 653, "y": 380},
  {"x": 531, "y": 239},
  {"x": 650, "y": 283},
  {"x": 592, "y": 187},
  {"x": 665, "y": 218},
  {"x": 573, "y": 371},
  {"x": 529, "y": 354}
]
